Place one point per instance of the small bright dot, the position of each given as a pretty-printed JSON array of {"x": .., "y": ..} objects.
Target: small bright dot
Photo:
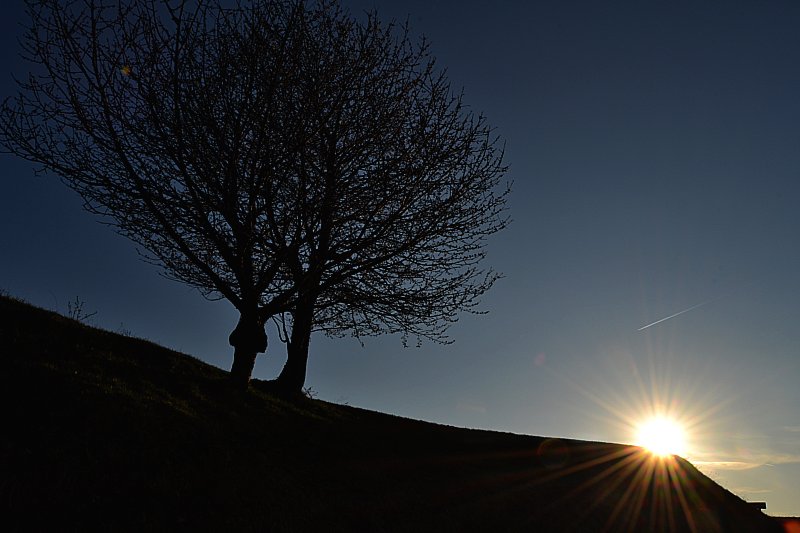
[
  {"x": 126, "y": 70},
  {"x": 662, "y": 437}
]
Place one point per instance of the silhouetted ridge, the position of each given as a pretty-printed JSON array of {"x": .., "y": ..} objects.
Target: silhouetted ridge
[{"x": 115, "y": 433}]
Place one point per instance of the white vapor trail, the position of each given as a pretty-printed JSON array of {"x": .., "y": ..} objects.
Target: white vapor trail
[{"x": 676, "y": 314}]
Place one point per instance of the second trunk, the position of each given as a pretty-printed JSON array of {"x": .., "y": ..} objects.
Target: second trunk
[{"x": 293, "y": 376}]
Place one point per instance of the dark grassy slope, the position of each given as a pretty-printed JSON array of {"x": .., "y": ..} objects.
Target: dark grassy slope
[{"x": 114, "y": 433}]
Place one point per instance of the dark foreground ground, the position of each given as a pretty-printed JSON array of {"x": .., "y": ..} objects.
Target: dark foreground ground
[{"x": 105, "y": 432}]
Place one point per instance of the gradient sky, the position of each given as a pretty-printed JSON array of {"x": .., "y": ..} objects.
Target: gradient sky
[{"x": 655, "y": 149}]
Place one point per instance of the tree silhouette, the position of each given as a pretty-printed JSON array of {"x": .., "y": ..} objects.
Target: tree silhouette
[{"x": 309, "y": 168}]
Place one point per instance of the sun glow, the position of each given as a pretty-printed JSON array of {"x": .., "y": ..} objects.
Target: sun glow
[{"x": 662, "y": 437}]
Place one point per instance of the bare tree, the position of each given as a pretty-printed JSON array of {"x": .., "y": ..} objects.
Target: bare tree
[
  {"x": 402, "y": 188},
  {"x": 306, "y": 166},
  {"x": 161, "y": 117}
]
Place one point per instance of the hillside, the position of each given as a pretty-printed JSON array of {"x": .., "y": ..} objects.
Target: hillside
[{"x": 115, "y": 433}]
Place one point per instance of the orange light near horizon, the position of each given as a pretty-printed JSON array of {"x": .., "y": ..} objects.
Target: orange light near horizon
[{"x": 661, "y": 436}]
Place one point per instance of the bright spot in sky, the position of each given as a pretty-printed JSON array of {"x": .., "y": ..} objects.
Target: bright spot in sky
[{"x": 662, "y": 437}]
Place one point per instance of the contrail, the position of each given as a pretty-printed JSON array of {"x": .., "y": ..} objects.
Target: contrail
[{"x": 676, "y": 314}]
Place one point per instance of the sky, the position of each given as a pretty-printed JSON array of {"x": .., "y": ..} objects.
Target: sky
[{"x": 655, "y": 153}]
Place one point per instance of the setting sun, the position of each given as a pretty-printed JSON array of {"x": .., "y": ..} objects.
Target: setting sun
[{"x": 662, "y": 437}]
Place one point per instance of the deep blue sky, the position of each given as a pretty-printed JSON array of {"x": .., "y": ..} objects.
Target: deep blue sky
[{"x": 655, "y": 149}]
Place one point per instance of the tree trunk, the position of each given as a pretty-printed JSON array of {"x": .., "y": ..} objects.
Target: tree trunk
[
  {"x": 293, "y": 376},
  {"x": 248, "y": 340}
]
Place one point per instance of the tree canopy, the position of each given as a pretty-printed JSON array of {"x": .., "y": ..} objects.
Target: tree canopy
[{"x": 307, "y": 166}]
